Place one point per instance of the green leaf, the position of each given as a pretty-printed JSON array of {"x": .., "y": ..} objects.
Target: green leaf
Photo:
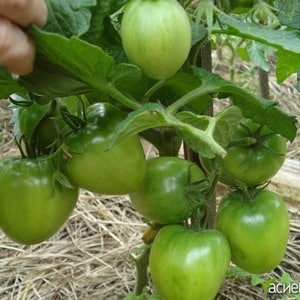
[
  {"x": 79, "y": 58},
  {"x": 287, "y": 64},
  {"x": 83, "y": 63},
  {"x": 286, "y": 41},
  {"x": 277, "y": 38},
  {"x": 50, "y": 81},
  {"x": 128, "y": 79},
  {"x": 219, "y": 128},
  {"x": 227, "y": 122},
  {"x": 285, "y": 278},
  {"x": 256, "y": 280},
  {"x": 261, "y": 111},
  {"x": 69, "y": 17},
  {"x": 236, "y": 272},
  {"x": 8, "y": 85},
  {"x": 179, "y": 85},
  {"x": 264, "y": 112},
  {"x": 289, "y": 12},
  {"x": 153, "y": 115},
  {"x": 257, "y": 54},
  {"x": 99, "y": 14}
]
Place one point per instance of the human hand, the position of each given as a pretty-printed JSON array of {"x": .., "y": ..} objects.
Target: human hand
[{"x": 17, "y": 49}]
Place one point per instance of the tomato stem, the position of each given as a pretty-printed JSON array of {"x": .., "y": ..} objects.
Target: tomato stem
[
  {"x": 201, "y": 90},
  {"x": 152, "y": 90},
  {"x": 141, "y": 263},
  {"x": 120, "y": 97}
]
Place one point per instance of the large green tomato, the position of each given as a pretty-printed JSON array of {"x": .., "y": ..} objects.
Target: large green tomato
[
  {"x": 257, "y": 230},
  {"x": 164, "y": 196},
  {"x": 257, "y": 162},
  {"x": 188, "y": 265},
  {"x": 33, "y": 206},
  {"x": 119, "y": 170},
  {"x": 156, "y": 36}
]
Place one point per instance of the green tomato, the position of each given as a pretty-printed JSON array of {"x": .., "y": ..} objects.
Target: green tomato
[
  {"x": 40, "y": 126},
  {"x": 188, "y": 265},
  {"x": 257, "y": 230},
  {"x": 119, "y": 170},
  {"x": 36, "y": 126},
  {"x": 163, "y": 196},
  {"x": 33, "y": 206},
  {"x": 156, "y": 36},
  {"x": 258, "y": 162}
]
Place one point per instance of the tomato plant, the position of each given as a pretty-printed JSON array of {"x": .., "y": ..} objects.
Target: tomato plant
[
  {"x": 257, "y": 229},
  {"x": 188, "y": 265},
  {"x": 145, "y": 66},
  {"x": 156, "y": 36},
  {"x": 33, "y": 206},
  {"x": 171, "y": 190},
  {"x": 119, "y": 170}
]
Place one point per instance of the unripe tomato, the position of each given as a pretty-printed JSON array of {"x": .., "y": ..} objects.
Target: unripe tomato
[
  {"x": 33, "y": 206},
  {"x": 164, "y": 197},
  {"x": 119, "y": 170},
  {"x": 156, "y": 36},
  {"x": 187, "y": 264},
  {"x": 257, "y": 229}
]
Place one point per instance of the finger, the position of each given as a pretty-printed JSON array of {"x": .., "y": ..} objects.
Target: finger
[
  {"x": 24, "y": 12},
  {"x": 17, "y": 50}
]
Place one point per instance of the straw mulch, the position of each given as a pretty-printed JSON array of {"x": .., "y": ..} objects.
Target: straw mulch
[{"x": 91, "y": 256}]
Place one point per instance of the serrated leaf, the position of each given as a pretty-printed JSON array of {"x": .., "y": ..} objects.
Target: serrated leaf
[
  {"x": 227, "y": 122},
  {"x": 261, "y": 111},
  {"x": 80, "y": 62},
  {"x": 96, "y": 28},
  {"x": 148, "y": 116},
  {"x": 69, "y": 17},
  {"x": 256, "y": 280},
  {"x": 287, "y": 41},
  {"x": 236, "y": 272},
  {"x": 257, "y": 54},
  {"x": 88, "y": 62},
  {"x": 278, "y": 38},
  {"x": 289, "y": 12},
  {"x": 152, "y": 115},
  {"x": 264, "y": 112},
  {"x": 198, "y": 121},
  {"x": 287, "y": 64}
]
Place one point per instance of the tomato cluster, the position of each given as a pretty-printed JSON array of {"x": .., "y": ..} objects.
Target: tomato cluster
[
  {"x": 251, "y": 227},
  {"x": 63, "y": 149}
]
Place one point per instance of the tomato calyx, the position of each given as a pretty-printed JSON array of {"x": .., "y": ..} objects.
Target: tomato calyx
[
  {"x": 248, "y": 194},
  {"x": 75, "y": 122}
]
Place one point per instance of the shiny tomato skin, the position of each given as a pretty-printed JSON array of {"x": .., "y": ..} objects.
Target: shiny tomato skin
[
  {"x": 188, "y": 265},
  {"x": 257, "y": 163},
  {"x": 32, "y": 206},
  {"x": 162, "y": 196},
  {"x": 117, "y": 171},
  {"x": 257, "y": 230},
  {"x": 156, "y": 36}
]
